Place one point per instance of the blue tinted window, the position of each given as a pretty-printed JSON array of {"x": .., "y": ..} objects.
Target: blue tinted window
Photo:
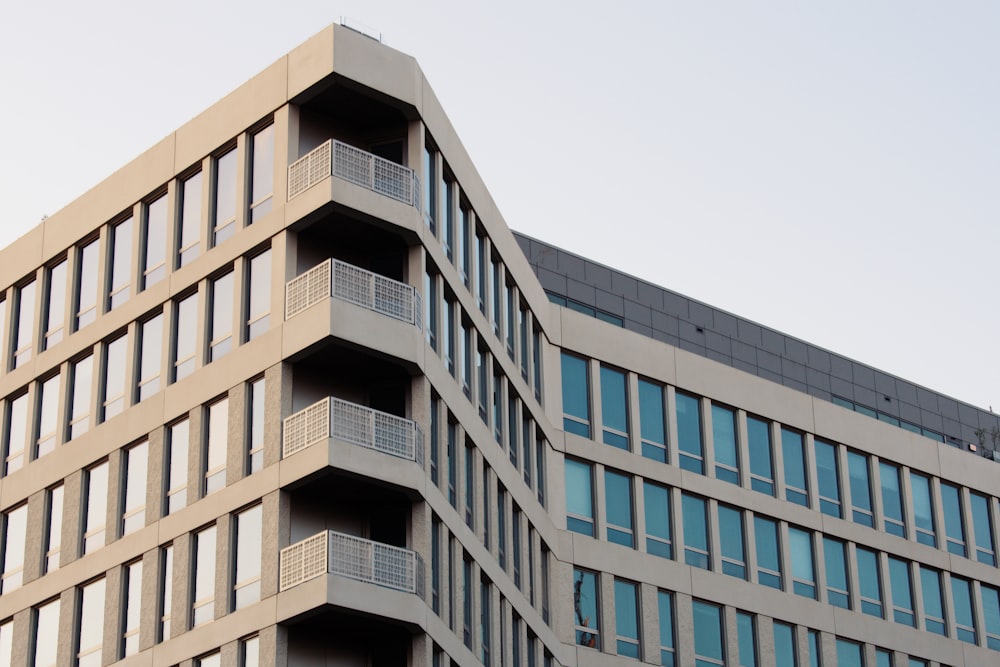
[
  {"x": 761, "y": 466},
  {"x": 665, "y": 602},
  {"x": 734, "y": 562},
  {"x": 883, "y": 658},
  {"x": 579, "y": 498},
  {"x": 954, "y": 531},
  {"x": 576, "y": 395},
  {"x": 827, "y": 478},
  {"x": 812, "y": 641},
  {"x": 892, "y": 502},
  {"x": 793, "y": 456},
  {"x": 695, "y": 531},
  {"x": 651, "y": 421},
  {"x": 982, "y": 529},
  {"x": 626, "y": 619},
  {"x": 991, "y": 615},
  {"x": 727, "y": 463},
  {"x": 835, "y": 560},
  {"x": 930, "y": 586},
  {"x": 614, "y": 408},
  {"x": 747, "y": 639},
  {"x": 961, "y": 595},
  {"x": 902, "y": 594},
  {"x": 800, "y": 549},
  {"x": 689, "y": 433},
  {"x": 869, "y": 582},
  {"x": 861, "y": 489},
  {"x": 784, "y": 645},
  {"x": 708, "y": 645},
  {"x": 618, "y": 502},
  {"x": 768, "y": 558},
  {"x": 656, "y": 502},
  {"x": 849, "y": 654},
  {"x": 586, "y": 609},
  {"x": 923, "y": 513}
]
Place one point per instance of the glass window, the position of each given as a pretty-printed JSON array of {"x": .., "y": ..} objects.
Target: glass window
[
  {"x": 746, "y": 637},
  {"x": 86, "y": 284},
  {"x": 185, "y": 336},
  {"x": 47, "y": 415},
  {"x": 250, "y": 650},
  {"x": 522, "y": 326},
  {"x": 7, "y": 642},
  {"x": 883, "y": 658},
  {"x": 709, "y": 647},
  {"x": 869, "y": 582},
  {"x": 793, "y": 456},
  {"x": 627, "y": 618},
  {"x": 485, "y": 621},
  {"x": 991, "y": 615},
  {"x": 902, "y": 593},
  {"x": 132, "y": 588},
  {"x": 510, "y": 301},
  {"x": 211, "y": 660},
  {"x": 734, "y": 561},
  {"x": 204, "y": 576},
  {"x": 656, "y": 503},
  {"x": 113, "y": 382},
  {"x": 502, "y": 526},
  {"x": 436, "y": 565},
  {"x": 17, "y": 432},
  {"x": 465, "y": 346},
  {"x": 812, "y": 641},
  {"x": 96, "y": 511},
  {"x": 255, "y": 452},
  {"x": 258, "y": 294},
  {"x": 134, "y": 483},
  {"x": 768, "y": 552},
  {"x": 53, "y": 534},
  {"x": 761, "y": 461},
  {"x": 727, "y": 462},
  {"x": 452, "y": 453},
  {"x": 150, "y": 357},
  {"x": 189, "y": 232},
  {"x": 652, "y": 421},
  {"x": 586, "y": 609},
  {"x": 82, "y": 374},
  {"x": 618, "y": 506},
  {"x": 24, "y": 333},
  {"x": 961, "y": 596},
  {"x": 849, "y": 654},
  {"x": 930, "y": 586},
  {"x": 954, "y": 530},
  {"x": 90, "y": 629},
  {"x": 614, "y": 408},
  {"x": 536, "y": 363},
  {"x": 982, "y": 529},
  {"x": 835, "y": 560},
  {"x": 892, "y": 500},
  {"x": 495, "y": 285},
  {"x": 154, "y": 240},
  {"x": 516, "y": 553},
  {"x": 916, "y": 662},
  {"x": 785, "y": 654},
  {"x": 665, "y": 603},
  {"x": 462, "y": 244},
  {"x": 923, "y": 509},
  {"x": 470, "y": 484},
  {"x": 55, "y": 303},
  {"x": 262, "y": 173},
  {"x": 178, "y": 440},
  {"x": 430, "y": 192},
  {"x": 800, "y": 549},
  {"x": 246, "y": 589},
  {"x": 221, "y": 322},
  {"x": 689, "y": 443},
  {"x": 576, "y": 395},
  {"x": 46, "y": 626},
  {"x": 217, "y": 431},
  {"x": 166, "y": 584},
  {"x": 861, "y": 489},
  {"x": 512, "y": 426},
  {"x": 827, "y": 478},
  {"x": 695, "y": 512},
  {"x": 579, "y": 498},
  {"x": 480, "y": 269},
  {"x": 498, "y": 405},
  {"x": 15, "y": 526},
  {"x": 224, "y": 193},
  {"x": 448, "y": 334},
  {"x": 121, "y": 264}
]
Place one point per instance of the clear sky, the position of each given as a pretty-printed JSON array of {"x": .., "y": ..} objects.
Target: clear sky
[{"x": 830, "y": 169}]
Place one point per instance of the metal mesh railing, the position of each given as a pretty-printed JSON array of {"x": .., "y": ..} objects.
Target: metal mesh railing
[
  {"x": 303, "y": 561},
  {"x": 308, "y": 289},
  {"x": 353, "y": 423},
  {"x": 355, "y": 166}
]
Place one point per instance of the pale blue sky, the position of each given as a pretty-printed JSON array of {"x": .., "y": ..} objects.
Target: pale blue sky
[{"x": 828, "y": 169}]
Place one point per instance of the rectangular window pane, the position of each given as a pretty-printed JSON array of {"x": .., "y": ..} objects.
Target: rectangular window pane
[
  {"x": 579, "y": 498},
  {"x": 656, "y": 501},
  {"x": 166, "y": 591},
  {"x": 113, "y": 381},
  {"x": 849, "y": 654},
  {"x": 586, "y": 609},
  {"x": 991, "y": 615},
  {"x": 746, "y": 637},
  {"x": 665, "y": 602},
  {"x": 15, "y": 526},
  {"x": 150, "y": 357},
  {"x": 652, "y": 421},
  {"x": 204, "y": 576},
  {"x": 177, "y": 454},
  {"x": 121, "y": 264},
  {"x": 614, "y": 408},
  {"x": 576, "y": 395},
  {"x": 96, "y": 510},
  {"x": 154, "y": 253},
  {"x": 734, "y": 561},
  {"x": 47, "y": 414},
  {"x": 189, "y": 232},
  {"x": 618, "y": 501},
  {"x": 861, "y": 489},
  {"x": 185, "y": 336},
  {"x": 768, "y": 552},
  {"x": 930, "y": 586},
  {"x": 217, "y": 431},
  {"x": 7, "y": 643},
  {"x": 695, "y": 511},
  {"x": 224, "y": 218},
  {"x": 892, "y": 501},
  {"x": 923, "y": 509},
  {"x": 982, "y": 529},
  {"x": 961, "y": 596},
  {"x": 246, "y": 589},
  {"x": 221, "y": 321},
  {"x": 262, "y": 173},
  {"x": 24, "y": 332},
  {"x": 55, "y": 303},
  {"x": 727, "y": 462},
  {"x": 627, "y": 618},
  {"x": 761, "y": 465},
  {"x": 86, "y": 284},
  {"x": 835, "y": 562},
  {"x": 259, "y": 295},
  {"x": 485, "y": 622},
  {"x": 134, "y": 482},
  {"x": 90, "y": 631},
  {"x": 954, "y": 530},
  {"x": 17, "y": 433},
  {"x": 83, "y": 383},
  {"x": 784, "y": 645},
  {"x": 800, "y": 549},
  {"x": 827, "y": 478},
  {"x": 46, "y": 627},
  {"x": 709, "y": 647},
  {"x": 255, "y": 453},
  {"x": 251, "y": 652},
  {"x": 869, "y": 582},
  {"x": 793, "y": 456},
  {"x": 53, "y": 534},
  {"x": 132, "y": 588},
  {"x": 689, "y": 440},
  {"x": 902, "y": 593}
]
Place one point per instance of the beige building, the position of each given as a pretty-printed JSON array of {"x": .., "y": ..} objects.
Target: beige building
[{"x": 286, "y": 390}]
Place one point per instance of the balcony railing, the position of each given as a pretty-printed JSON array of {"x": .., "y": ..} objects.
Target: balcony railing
[
  {"x": 354, "y": 557},
  {"x": 356, "y": 424},
  {"x": 356, "y": 285},
  {"x": 356, "y": 166}
]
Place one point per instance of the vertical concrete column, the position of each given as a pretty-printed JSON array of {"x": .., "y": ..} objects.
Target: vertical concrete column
[
  {"x": 419, "y": 539},
  {"x": 649, "y": 617},
  {"x": 180, "y": 598},
  {"x": 114, "y": 599},
  {"x": 72, "y": 295},
  {"x": 731, "y": 642},
  {"x": 743, "y": 448},
  {"x": 116, "y": 493},
  {"x": 632, "y": 413},
  {"x": 236, "y": 438},
  {"x": 224, "y": 564},
  {"x": 69, "y": 621},
  {"x": 673, "y": 455},
  {"x": 778, "y": 458},
  {"x": 751, "y": 548},
  {"x": 229, "y": 654},
  {"x": 765, "y": 637},
  {"x": 271, "y": 544},
  {"x": 606, "y": 610},
  {"x": 63, "y": 407},
  {"x": 875, "y": 476},
  {"x": 677, "y": 522},
  {"x": 196, "y": 454},
  {"x": 812, "y": 483},
  {"x": 906, "y": 496},
  {"x": 35, "y": 536},
  {"x": 149, "y": 611},
  {"x": 714, "y": 536},
  {"x": 173, "y": 228},
  {"x": 157, "y": 476},
  {"x": 421, "y": 649},
  {"x": 786, "y": 557},
  {"x": 242, "y": 181},
  {"x": 72, "y": 528},
  {"x": 279, "y": 266},
  {"x": 274, "y": 394},
  {"x": 596, "y": 416},
  {"x": 937, "y": 514},
  {"x": 20, "y": 652},
  {"x": 853, "y": 581},
  {"x": 684, "y": 649},
  {"x": 201, "y": 325},
  {"x": 284, "y": 149},
  {"x": 707, "y": 436},
  {"x": 238, "y": 326}
]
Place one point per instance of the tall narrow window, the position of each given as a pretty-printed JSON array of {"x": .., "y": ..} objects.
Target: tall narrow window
[
  {"x": 522, "y": 326},
  {"x": 768, "y": 552},
  {"x": 800, "y": 548},
  {"x": 512, "y": 426},
  {"x": 113, "y": 377},
  {"x": 447, "y": 217},
  {"x": 869, "y": 582},
  {"x": 217, "y": 431},
  {"x": 480, "y": 269},
  {"x": 652, "y": 421},
  {"x": 746, "y": 639},
  {"x": 7, "y": 642},
  {"x": 849, "y": 654},
  {"x": 224, "y": 198},
  {"x": 727, "y": 462},
  {"x": 178, "y": 440},
  {"x": 991, "y": 615},
  {"x": 498, "y": 405},
  {"x": 262, "y": 173},
  {"x": 24, "y": 332},
  {"x": 892, "y": 500},
  {"x": 203, "y": 608},
  {"x": 210, "y": 660},
  {"x": 470, "y": 485},
  {"x": 510, "y": 301},
  {"x": 656, "y": 502},
  {"x": 902, "y": 592},
  {"x": 120, "y": 283},
  {"x": 258, "y": 294},
  {"x": 982, "y": 529},
  {"x": 835, "y": 561},
  {"x": 90, "y": 628},
  {"x": 221, "y": 322},
  {"x": 496, "y": 286},
  {"x": 132, "y": 588},
  {"x": 465, "y": 347},
  {"x": 614, "y": 408},
  {"x": 430, "y": 309},
  {"x": 154, "y": 241},
  {"x": 189, "y": 227},
  {"x": 689, "y": 443},
  {"x": 861, "y": 489},
  {"x": 695, "y": 511},
  {"x": 448, "y": 335},
  {"x": 150, "y": 357},
  {"x": 134, "y": 483},
  {"x": 185, "y": 336},
  {"x": 761, "y": 460},
  {"x": 785, "y": 654},
  {"x": 618, "y": 501},
  {"x": 828, "y": 478},
  {"x": 930, "y": 586},
  {"x": 462, "y": 244},
  {"x": 923, "y": 509},
  {"x": 627, "y": 618},
  {"x": 709, "y": 646},
  {"x": 250, "y": 652},
  {"x": 586, "y": 609},
  {"x": 96, "y": 510},
  {"x": 502, "y": 527},
  {"x": 451, "y": 452},
  {"x": 665, "y": 603},
  {"x": 734, "y": 561},
  {"x": 55, "y": 303},
  {"x": 15, "y": 526},
  {"x": 53, "y": 533},
  {"x": 255, "y": 444},
  {"x": 46, "y": 626},
  {"x": 86, "y": 284},
  {"x": 536, "y": 363},
  {"x": 812, "y": 642},
  {"x": 166, "y": 587},
  {"x": 793, "y": 456},
  {"x": 246, "y": 586},
  {"x": 82, "y": 374},
  {"x": 954, "y": 528},
  {"x": 576, "y": 395},
  {"x": 430, "y": 192},
  {"x": 467, "y": 601},
  {"x": 47, "y": 415},
  {"x": 516, "y": 553},
  {"x": 485, "y": 621},
  {"x": 17, "y": 433},
  {"x": 436, "y": 565}
]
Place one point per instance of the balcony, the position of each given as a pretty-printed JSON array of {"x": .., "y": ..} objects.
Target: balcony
[
  {"x": 354, "y": 285},
  {"x": 355, "y": 166},
  {"x": 331, "y": 552},
  {"x": 356, "y": 424}
]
